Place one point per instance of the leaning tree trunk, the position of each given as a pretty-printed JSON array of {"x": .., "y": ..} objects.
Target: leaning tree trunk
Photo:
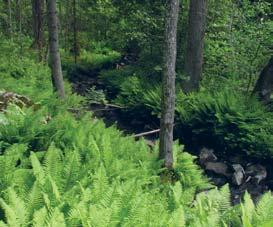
[
  {"x": 264, "y": 86},
  {"x": 195, "y": 45},
  {"x": 54, "y": 54},
  {"x": 168, "y": 85},
  {"x": 37, "y": 15}
]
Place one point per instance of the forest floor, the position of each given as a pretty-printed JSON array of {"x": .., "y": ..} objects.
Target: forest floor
[{"x": 260, "y": 172}]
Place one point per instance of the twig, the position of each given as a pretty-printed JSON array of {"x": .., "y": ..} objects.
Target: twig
[
  {"x": 108, "y": 105},
  {"x": 146, "y": 133}
]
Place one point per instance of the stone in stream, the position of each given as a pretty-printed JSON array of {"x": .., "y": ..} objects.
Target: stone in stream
[
  {"x": 238, "y": 175},
  {"x": 258, "y": 172},
  {"x": 206, "y": 155},
  {"x": 219, "y": 181},
  {"x": 218, "y": 168}
]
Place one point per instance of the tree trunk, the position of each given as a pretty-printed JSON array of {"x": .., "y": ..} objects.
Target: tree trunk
[
  {"x": 37, "y": 14},
  {"x": 75, "y": 41},
  {"x": 168, "y": 85},
  {"x": 195, "y": 45},
  {"x": 19, "y": 20},
  {"x": 10, "y": 18},
  {"x": 264, "y": 86},
  {"x": 54, "y": 54}
]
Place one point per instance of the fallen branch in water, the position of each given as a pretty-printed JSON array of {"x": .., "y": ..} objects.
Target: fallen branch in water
[{"x": 146, "y": 133}]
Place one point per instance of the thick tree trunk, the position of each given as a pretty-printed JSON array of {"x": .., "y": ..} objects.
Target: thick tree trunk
[
  {"x": 54, "y": 54},
  {"x": 195, "y": 45},
  {"x": 37, "y": 15},
  {"x": 264, "y": 86},
  {"x": 168, "y": 85}
]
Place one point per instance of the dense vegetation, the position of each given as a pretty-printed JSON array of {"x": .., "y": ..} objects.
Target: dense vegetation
[{"x": 60, "y": 164}]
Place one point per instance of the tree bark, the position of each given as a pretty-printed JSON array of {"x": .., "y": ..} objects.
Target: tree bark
[
  {"x": 168, "y": 85},
  {"x": 10, "y": 18},
  {"x": 19, "y": 21},
  {"x": 37, "y": 15},
  {"x": 264, "y": 86},
  {"x": 54, "y": 54},
  {"x": 75, "y": 40},
  {"x": 195, "y": 45}
]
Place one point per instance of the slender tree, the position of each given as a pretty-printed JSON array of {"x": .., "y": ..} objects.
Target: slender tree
[
  {"x": 264, "y": 86},
  {"x": 54, "y": 54},
  {"x": 10, "y": 18},
  {"x": 38, "y": 34},
  {"x": 168, "y": 85},
  {"x": 75, "y": 40},
  {"x": 195, "y": 45},
  {"x": 19, "y": 19}
]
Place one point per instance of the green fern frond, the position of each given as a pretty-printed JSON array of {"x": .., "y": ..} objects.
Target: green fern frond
[
  {"x": 52, "y": 163},
  {"x": 248, "y": 211},
  {"x": 15, "y": 209},
  {"x": 40, "y": 217},
  {"x": 38, "y": 170},
  {"x": 56, "y": 219}
]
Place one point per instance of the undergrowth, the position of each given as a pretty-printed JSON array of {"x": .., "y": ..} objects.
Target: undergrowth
[
  {"x": 59, "y": 170},
  {"x": 228, "y": 120}
]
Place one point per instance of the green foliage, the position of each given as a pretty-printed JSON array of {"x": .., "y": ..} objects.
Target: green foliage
[
  {"x": 238, "y": 40},
  {"x": 97, "y": 59},
  {"x": 60, "y": 171},
  {"x": 57, "y": 170},
  {"x": 229, "y": 120},
  {"x": 226, "y": 120},
  {"x": 95, "y": 96},
  {"x": 128, "y": 86},
  {"x": 89, "y": 175},
  {"x": 93, "y": 176},
  {"x": 23, "y": 75},
  {"x": 112, "y": 79}
]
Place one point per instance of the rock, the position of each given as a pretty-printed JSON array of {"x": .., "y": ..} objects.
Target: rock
[
  {"x": 218, "y": 168},
  {"x": 238, "y": 168},
  {"x": 7, "y": 98},
  {"x": 258, "y": 172},
  {"x": 219, "y": 181},
  {"x": 234, "y": 159},
  {"x": 206, "y": 155},
  {"x": 238, "y": 175}
]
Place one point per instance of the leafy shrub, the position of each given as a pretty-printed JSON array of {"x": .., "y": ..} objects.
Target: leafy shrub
[
  {"x": 57, "y": 170},
  {"x": 92, "y": 175},
  {"x": 112, "y": 79},
  {"x": 226, "y": 120},
  {"x": 232, "y": 121},
  {"x": 89, "y": 169},
  {"x": 95, "y": 96},
  {"x": 92, "y": 60}
]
